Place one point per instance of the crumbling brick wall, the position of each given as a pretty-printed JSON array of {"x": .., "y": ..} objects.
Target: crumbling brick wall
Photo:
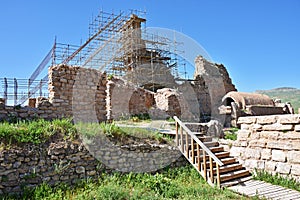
[
  {"x": 125, "y": 100},
  {"x": 78, "y": 92},
  {"x": 212, "y": 83}
]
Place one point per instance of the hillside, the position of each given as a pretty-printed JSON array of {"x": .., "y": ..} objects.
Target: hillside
[{"x": 286, "y": 94}]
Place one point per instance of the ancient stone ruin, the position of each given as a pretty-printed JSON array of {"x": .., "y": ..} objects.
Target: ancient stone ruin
[
  {"x": 239, "y": 104},
  {"x": 120, "y": 72},
  {"x": 88, "y": 95}
]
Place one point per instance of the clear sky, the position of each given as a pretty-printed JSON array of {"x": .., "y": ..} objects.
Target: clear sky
[{"x": 257, "y": 40}]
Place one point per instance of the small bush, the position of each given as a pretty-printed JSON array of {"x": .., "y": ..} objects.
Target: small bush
[
  {"x": 139, "y": 117},
  {"x": 231, "y": 134}
]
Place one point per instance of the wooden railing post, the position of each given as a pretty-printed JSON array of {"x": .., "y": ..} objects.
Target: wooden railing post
[
  {"x": 186, "y": 144},
  {"x": 177, "y": 140},
  {"x": 199, "y": 160},
  {"x": 206, "y": 169},
  {"x": 211, "y": 169},
  {"x": 204, "y": 165},
  {"x": 218, "y": 175},
  {"x": 193, "y": 151},
  {"x": 181, "y": 138}
]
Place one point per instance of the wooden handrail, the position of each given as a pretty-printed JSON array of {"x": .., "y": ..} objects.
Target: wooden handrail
[{"x": 196, "y": 139}]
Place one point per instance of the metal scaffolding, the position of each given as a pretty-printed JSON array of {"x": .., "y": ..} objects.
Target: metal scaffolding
[
  {"x": 119, "y": 44},
  {"x": 19, "y": 90}
]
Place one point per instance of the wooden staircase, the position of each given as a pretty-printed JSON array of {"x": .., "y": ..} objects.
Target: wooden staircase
[{"x": 215, "y": 165}]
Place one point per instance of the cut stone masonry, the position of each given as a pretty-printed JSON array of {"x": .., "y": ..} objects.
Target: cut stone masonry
[{"x": 270, "y": 142}]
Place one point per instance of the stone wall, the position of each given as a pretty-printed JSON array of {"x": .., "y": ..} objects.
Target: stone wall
[
  {"x": 269, "y": 142},
  {"x": 167, "y": 99},
  {"x": 68, "y": 161},
  {"x": 216, "y": 82},
  {"x": 78, "y": 92},
  {"x": 87, "y": 95},
  {"x": 73, "y": 92},
  {"x": 42, "y": 109},
  {"x": 125, "y": 100}
]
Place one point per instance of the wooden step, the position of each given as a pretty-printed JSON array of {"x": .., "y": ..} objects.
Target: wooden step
[
  {"x": 206, "y": 138},
  {"x": 219, "y": 155},
  {"x": 229, "y": 168},
  {"x": 201, "y": 138},
  {"x": 216, "y": 149},
  {"x": 207, "y": 144},
  {"x": 198, "y": 134},
  {"x": 236, "y": 181},
  {"x": 211, "y": 144},
  {"x": 212, "y": 149},
  {"x": 234, "y": 175},
  {"x": 225, "y": 161}
]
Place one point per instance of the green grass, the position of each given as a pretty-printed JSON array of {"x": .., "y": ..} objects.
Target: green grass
[
  {"x": 277, "y": 179},
  {"x": 36, "y": 131},
  {"x": 179, "y": 183},
  {"x": 231, "y": 134},
  {"x": 112, "y": 130}
]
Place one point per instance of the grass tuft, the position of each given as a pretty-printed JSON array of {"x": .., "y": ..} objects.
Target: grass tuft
[
  {"x": 276, "y": 179},
  {"x": 231, "y": 133},
  {"x": 178, "y": 183},
  {"x": 36, "y": 131}
]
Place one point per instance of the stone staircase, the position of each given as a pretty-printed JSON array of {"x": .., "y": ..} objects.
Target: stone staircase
[{"x": 209, "y": 158}]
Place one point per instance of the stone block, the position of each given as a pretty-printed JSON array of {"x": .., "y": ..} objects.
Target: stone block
[
  {"x": 243, "y": 134},
  {"x": 266, "y": 154},
  {"x": 270, "y": 166},
  {"x": 80, "y": 170},
  {"x": 252, "y": 153},
  {"x": 266, "y": 119},
  {"x": 240, "y": 143},
  {"x": 91, "y": 173},
  {"x": 291, "y": 135},
  {"x": 278, "y": 155},
  {"x": 246, "y": 120},
  {"x": 236, "y": 151},
  {"x": 270, "y": 135},
  {"x": 260, "y": 164},
  {"x": 251, "y": 164},
  {"x": 278, "y": 127},
  {"x": 296, "y": 145},
  {"x": 283, "y": 168},
  {"x": 295, "y": 170},
  {"x": 254, "y": 136},
  {"x": 297, "y": 127},
  {"x": 256, "y": 127},
  {"x": 257, "y": 143},
  {"x": 293, "y": 156},
  {"x": 245, "y": 126},
  {"x": 243, "y": 143},
  {"x": 284, "y": 145},
  {"x": 289, "y": 119}
]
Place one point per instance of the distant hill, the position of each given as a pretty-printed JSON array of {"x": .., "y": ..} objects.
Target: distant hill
[{"x": 286, "y": 94}]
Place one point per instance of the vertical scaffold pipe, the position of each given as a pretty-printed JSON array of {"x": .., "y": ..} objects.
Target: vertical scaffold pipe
[
  {"x": 15, "y": 91},
  {"x": 5, "y": 89}
]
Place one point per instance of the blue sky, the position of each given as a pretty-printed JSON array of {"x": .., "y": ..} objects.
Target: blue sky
[{"x": 258, "y": 40}]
